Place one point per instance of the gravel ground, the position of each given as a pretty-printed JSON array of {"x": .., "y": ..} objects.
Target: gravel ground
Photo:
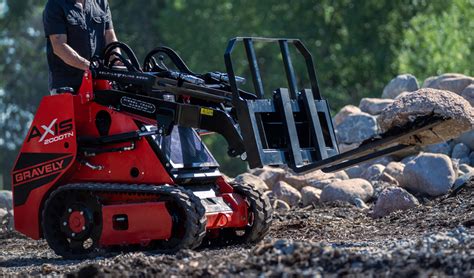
[{"x": 434, "y": 239}]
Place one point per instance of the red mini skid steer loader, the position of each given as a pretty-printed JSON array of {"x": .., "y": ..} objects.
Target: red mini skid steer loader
[{"x": 120, "y": 164}]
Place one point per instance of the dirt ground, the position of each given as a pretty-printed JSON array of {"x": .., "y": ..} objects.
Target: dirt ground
[{"x": 434, "y": 239}]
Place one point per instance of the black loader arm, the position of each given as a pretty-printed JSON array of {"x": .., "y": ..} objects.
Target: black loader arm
[{"x": 167, "y": 114}]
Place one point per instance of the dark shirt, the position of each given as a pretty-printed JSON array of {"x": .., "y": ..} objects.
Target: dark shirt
[{"x": 85, "y": 30}]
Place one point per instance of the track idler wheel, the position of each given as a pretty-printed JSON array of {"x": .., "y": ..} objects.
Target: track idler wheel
[
  {"x": 72, "y": 223},
  {"x": 189, "y": 222}
]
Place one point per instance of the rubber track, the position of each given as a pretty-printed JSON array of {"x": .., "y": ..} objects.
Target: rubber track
[{"x": 196, "y": 228}]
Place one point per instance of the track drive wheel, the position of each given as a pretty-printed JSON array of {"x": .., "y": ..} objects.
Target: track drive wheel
[
  {"x": 260, "y": 217},
  {"x": 189, "y": 222},
  {"x": 72, "y": 223}
]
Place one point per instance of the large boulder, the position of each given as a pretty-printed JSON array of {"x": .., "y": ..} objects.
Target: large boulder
[
  {"x": 429, "y": 174},
  {"x": 394, "y": 199},
  {"x": 310, "y": 195},
  {"x": 344, "y": 112},
  {"x": 374, "y": 106},
  {"x": 458, "y": 112},
  {"x": 468, "y": 94},
  {"x": 6, "y": 200},
  {"x": 356, "y": 128},
  {"x": 453, "y": 82},
  {"x": 287, "y": 193},
  {"x": 252, "y": 179},
  {"x": 347, "y": 191},
  {"x": 401, "y": 83}
]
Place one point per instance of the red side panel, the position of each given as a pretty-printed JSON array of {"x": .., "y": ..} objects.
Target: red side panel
[
  {"x": 135, "y": 223},
  {"x": 47, "y": 153}
]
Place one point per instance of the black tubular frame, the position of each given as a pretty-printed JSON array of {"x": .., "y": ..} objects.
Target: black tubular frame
[
  {"x": 255, "y": 71},
  {"x": 287, "y": 105}
]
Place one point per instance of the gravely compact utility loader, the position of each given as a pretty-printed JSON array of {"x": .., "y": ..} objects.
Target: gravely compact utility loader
[{"x": 120, "y": 164}]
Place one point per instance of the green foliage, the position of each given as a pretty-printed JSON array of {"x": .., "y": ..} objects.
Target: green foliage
[
  {"x": 440, "y": 40},
  {"x": 357, "y": 46}
]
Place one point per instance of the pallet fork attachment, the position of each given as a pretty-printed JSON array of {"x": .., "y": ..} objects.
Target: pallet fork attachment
[{"x": 295, "y": 128}]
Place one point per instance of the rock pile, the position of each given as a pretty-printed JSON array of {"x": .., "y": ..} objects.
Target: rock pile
[
  {"x": 442, "y": 165},
  {"x": 6, "y": 211}
]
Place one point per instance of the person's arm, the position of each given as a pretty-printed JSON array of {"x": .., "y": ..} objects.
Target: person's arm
[
  {"x": 110, "y": 36},
  {"x": 66, "y": 53}
]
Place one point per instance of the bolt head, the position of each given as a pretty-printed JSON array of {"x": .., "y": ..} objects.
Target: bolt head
[
  {"x": 73, "y": 234},
  {"x": 69, "y": 210},
  {"x": 64, "y": 223},
  {"x": 83, "y": 228},
  {"x": 82, "y": 213}
]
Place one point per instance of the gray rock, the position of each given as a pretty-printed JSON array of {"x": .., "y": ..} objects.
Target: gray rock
[
  {"x": 6, "y": 200},
  {"x": 310, "y": 195},
  {"x": 6, "y": 220},
  {"x": 373, "y": 172},
  {"x": 465, "y": 168},
  {"x": 354, "y": 171},
  {"x": 395, "y": 170},
  {"x": 251, "y": 179},
  {"x": 401, "y": 83},
  {"x": 467, "y": 138},
  {"x": 388, "y": 179},
  {"x": 453, "y": 82},
  {"x": 464, "y": 178},
  {"x": 344, "y": 112},
  {"x": 271, "y": 175},
  {"x": 394, "y": 199},
  {"x": 356, "y": 128},
  {"x": 320, "y": 184},
  {"x": 342, "y": 175},
  {"x": 443, "y": 148},
  {"x": 299, "y": 181},
  {"x": 460, "y": 151},
  {"x": 281, "y": 205},
  {"x": 374, "y": 106},
  {"x": 428, "y": 81},
  {"x": 471, "y": 159},
  {"x": 347, "y": 191},
  {"x": 468, "y": 94},
  {"x": 428, "y": 102},
  {"x": 430, "y": 174},
  {"x": 287, "y": 193},
  {"x": 360, "y": 204}
]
